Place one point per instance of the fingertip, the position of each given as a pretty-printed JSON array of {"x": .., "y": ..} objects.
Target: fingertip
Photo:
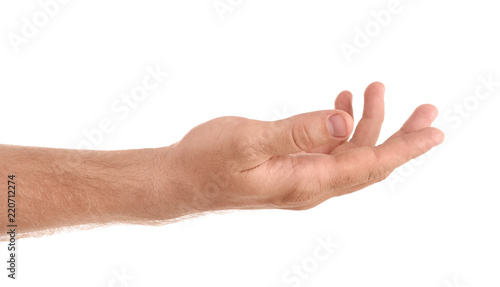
[
  {"x": 345, "y": 93},
  {"x": 428, "y": 109},
  {"x": 431, "y": 136},
  {"x": 438, "y": 136},
  {"x": 344, "y": 102},
  {"x": 343, "y": 98},
  {"x": 376, "y": 86},
  {"x": 340, "y": 124},
  {"x": 374, "y": 93}
]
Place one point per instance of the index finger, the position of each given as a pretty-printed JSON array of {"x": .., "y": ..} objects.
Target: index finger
[{"x": 367, "y": 164}]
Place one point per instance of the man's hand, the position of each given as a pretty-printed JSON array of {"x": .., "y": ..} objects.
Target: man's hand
[
  {"x": 226, "y": 163},
  {"x": 295, "y": 163}
]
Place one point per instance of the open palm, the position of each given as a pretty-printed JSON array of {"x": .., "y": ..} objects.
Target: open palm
[{"x": 298, "y": 162}]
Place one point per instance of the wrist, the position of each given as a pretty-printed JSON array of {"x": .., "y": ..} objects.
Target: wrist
[
  {"x": 167, "y": 197},
  {"x": 129, "y": 181},
  {"x": 181, "y": 184}
]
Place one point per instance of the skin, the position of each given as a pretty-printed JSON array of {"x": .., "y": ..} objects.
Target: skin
[{"x": 225, "y": 163}]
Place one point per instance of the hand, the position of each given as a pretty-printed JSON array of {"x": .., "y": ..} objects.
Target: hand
[{"x": 295, "y": 163}]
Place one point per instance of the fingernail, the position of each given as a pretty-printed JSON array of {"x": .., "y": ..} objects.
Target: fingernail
[
  {"x": 336, "y": 126},
  {"x": 439, "y": 138}
]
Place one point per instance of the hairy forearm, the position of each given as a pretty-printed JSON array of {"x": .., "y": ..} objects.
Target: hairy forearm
[
  {"x": 225, "y": 163},
  {"x": 62, "y": 187}
]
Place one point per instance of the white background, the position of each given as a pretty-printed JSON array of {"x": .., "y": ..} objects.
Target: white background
[{"x": 436, "y": 223}]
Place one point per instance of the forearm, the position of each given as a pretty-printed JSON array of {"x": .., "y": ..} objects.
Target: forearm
[
  {"x": 63, "y": 187},
  {"x": 225, "y": 163}
]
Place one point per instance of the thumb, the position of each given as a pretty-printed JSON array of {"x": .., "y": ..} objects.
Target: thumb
[{"x": 307, "y": 131}]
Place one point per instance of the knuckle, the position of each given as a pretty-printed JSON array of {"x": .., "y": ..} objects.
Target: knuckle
[
  {"x": 244, "y": 148},
  {"x": 384, "y": 176},
  {"x": 241, "y": 143},
  {"x": 301, "y": 137},
  {"x": 375, "y": 174},
  {"x": 425, "y": 146},
  {"x": 291, "y": 198},
  {"x": 296, "y": 195}
]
